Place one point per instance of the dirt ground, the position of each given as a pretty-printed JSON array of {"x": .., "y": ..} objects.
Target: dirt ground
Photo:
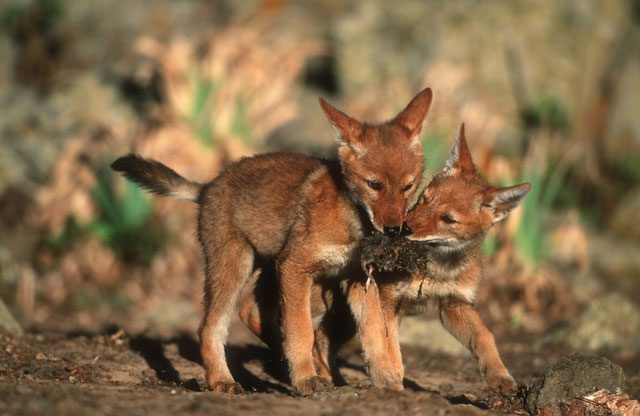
[{"x": 118, "y": 373}]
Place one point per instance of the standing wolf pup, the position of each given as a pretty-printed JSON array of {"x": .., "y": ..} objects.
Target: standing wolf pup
[{"x": 299, "y": 211}]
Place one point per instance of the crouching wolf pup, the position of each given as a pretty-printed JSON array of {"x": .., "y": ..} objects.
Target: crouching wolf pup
[
  {"x": 453, "y": 216},
  {"x": 300, "y": 212}
]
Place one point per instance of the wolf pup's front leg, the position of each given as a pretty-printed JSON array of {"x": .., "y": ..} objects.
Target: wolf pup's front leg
[
  {"x": 464, "y": 323},
  {"x": 297, "y": 328},
  {"x": 377, "y": 323}
]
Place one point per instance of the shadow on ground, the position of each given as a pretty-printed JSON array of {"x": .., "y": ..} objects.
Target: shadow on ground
[{"x": 152, "y": 350}]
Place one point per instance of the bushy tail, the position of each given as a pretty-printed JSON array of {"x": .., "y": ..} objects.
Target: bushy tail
[{"x": 156, "y": 177}]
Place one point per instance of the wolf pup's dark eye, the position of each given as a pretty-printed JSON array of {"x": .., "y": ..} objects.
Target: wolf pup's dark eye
[
  {"x": 375, "y": 185},
  {"x": 448, "y": 219},
  {"x": 407, "y": 187}
]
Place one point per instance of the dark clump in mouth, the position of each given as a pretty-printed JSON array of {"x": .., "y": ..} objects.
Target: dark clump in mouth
[{"x": 395, "y": 254}]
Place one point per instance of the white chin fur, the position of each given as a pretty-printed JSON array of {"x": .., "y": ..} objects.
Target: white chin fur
[
  {"x": 449, "y": 249},
  {"x": 427, "y": 239},
  {"x": 441, "y": 245},
  {"x": 373, "y": 222},
  {"x": 358, "y": 201}
]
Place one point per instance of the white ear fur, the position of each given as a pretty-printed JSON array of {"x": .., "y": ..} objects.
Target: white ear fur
[
  {"x": 356, "y": 149},
  {"x": 343, "y": 124},
  {"x": 506, "y": 199},
  {"x": 415, "y": 144},
  {"x": 453, "y": 156}
]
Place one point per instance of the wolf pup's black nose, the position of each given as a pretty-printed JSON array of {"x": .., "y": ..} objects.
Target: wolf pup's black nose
[{"x": 392, "y": 231}]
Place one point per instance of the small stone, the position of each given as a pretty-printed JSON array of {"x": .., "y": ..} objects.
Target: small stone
[
  {"x": 40, "y": 356},
  {"x": 149, "y": 373},
  {"x": 573, "y": 377}
]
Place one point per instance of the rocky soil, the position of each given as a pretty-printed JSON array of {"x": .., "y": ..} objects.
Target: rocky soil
[{"x": 132, "y": 374}]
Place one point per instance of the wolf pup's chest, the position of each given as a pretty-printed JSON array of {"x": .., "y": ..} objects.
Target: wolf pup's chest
[
  {"x": 440, "y": 285},
  {"x": 337, "y": 250},
  {"x": 335, "y": 256}
]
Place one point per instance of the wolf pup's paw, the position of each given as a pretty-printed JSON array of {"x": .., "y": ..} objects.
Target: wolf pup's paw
[
  {"x": 502, "y": 383},
  {"x": 228, "y": 387},
  {"x": 312, "y": 384},
  {"x": 387, "y": 378}
]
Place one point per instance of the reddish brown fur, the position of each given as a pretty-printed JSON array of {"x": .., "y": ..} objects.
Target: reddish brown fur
[
  {"x": 384, "y": 211},
  {"x": 454, "y": 214},
  {"x": 299, "y": 212},
  {"x": 474, "y": 206},
  {"x": 369, "y": 153}
]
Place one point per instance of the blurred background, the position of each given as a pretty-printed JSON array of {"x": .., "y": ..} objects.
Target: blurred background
[{"x": 548, "y": 91}]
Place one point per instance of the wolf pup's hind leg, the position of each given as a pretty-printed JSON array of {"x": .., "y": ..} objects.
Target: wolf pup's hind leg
[{"x": 228, "y": 265}]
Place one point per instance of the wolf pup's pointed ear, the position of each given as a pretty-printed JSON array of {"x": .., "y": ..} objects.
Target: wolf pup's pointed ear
[
  {"x": 413, "y": 115},
  {"x": 348, "y": 128},
  {"x": 506, "y": 199},
  {"x": 460, "y": 157}
]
